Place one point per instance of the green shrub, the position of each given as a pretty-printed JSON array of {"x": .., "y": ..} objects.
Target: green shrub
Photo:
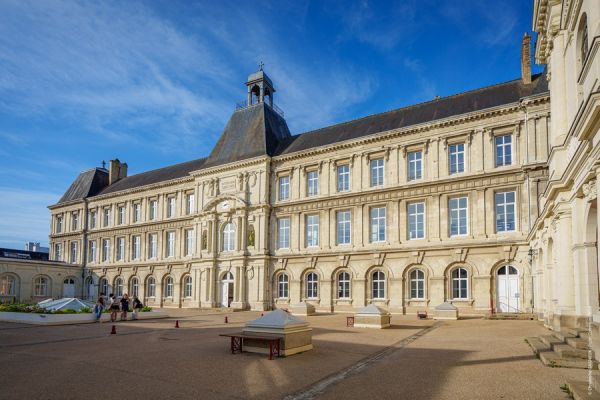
[
  {"x": 146, "y": 309},
  {"x": 84, "y": 310}
]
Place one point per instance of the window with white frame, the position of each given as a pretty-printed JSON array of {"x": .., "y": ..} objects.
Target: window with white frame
[
  {"x": 105, "y": 250},
  {"x": 456, "y": 158},
  {"x": 189, "y": 242},
  {"x": 284, "y": 187},
  {"x": 312, "y": 230},
  {"x": 378, "y": 285},
  {"x": 416, "y": 220},
  {"x": 136, "y": 247},
  {"x": 283, "y": 286},
  {"x": 460, "y": 283},
  {"x": 190, "y": 203},
  {"x": 103, "y": 286},
  {"x": 134, "y": 287},
  {"x": 229, "y": 237},
  {"x": 119, "y": 287},
  {"x": 152, "y": 245},
  {"x": 283, "y": 233},
  {"x": 7, "y": 285},
  {"x": 170, "y": 245},
  {"x": 169, "y": 287},
  {"x": 503, "y": 150},
  {"x": 92, "y": 251},
  {"x": 59, "y": 223},
  {"x": 343, "y": 281},
  {"x": 377, "y": 172},
  {"x": 312, "y": 286},
  {"x": 505, "y": 211},
  {"x": 73, "y": 252},
  {"x": 106, "y": 214},
  {"x": 458, "y": 207},
  {"x": 93, "y": 219},
  {"x": 121, "y": 215},
  {"x": 120, "y": 249},
  {"x": 58, "y": 252},
  {"x": 417, "y": 284},
  {"x": 344, "y": 226},
  {"x": 151, "y": 287},
  {"x": 343, "y": 178},
  {"x": 170, "y": 207},
  {"x": 153, "y": 210},
  {"x": 74, "y": 221},
  {"x": 377, "y": 224},
  {"x": 312, "y": 182},
  {"x": 415, "y": 165},
  {"x": 41, "y": 286},
  {"x": 137, "y": 212},
  {"x": 187, "y": 286}
]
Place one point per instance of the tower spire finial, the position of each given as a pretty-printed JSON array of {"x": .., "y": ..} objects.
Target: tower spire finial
[{"x": 261, "y": 65}]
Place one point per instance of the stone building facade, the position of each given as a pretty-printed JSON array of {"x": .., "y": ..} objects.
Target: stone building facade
[{"x": 405, "y": 209}]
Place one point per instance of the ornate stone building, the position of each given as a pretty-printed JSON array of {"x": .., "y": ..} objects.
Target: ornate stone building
[{"x": 405, "y": 209}]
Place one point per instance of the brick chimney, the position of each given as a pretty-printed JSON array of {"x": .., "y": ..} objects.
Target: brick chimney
[
  {"x": 116, "y": 171},
  {"x": 526, "y": 59}
]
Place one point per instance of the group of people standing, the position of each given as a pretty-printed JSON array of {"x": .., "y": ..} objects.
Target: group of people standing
[{"x": 116, "y": 305}]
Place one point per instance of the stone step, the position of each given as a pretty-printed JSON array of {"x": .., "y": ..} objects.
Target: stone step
[
  {"x": 580, "y": 391},
  {"x": 574, "y": 331},
  {"x": 565, "y": 351},
  {"x": 511, "y": 316},
  {"x": 537, "y": 345},
  {"x": 578, "y": 343},
  {"x": 550, "y": 340},
  {"x": 562, "y": 335},
  {"x": 552, "y": 359}
]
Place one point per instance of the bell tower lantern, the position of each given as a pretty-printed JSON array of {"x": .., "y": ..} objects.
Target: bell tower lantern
[{"x": 260, "y": 87}]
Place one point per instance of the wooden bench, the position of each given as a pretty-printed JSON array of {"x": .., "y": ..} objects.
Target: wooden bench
[
  {"x": 422, "y": 314},
  {"x": 237, "y": 342}
]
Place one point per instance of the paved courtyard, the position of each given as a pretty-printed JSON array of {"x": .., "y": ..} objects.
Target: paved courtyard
[{"x": 467, "y": 359}]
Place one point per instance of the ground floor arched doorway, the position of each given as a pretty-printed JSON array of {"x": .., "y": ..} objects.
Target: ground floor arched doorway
[
  {"x": 507, "y": 289},
  {"x": 69, "y": 287},
  {"x": 227, "y": 290}
]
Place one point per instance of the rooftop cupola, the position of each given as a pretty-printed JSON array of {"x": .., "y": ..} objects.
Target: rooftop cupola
[{"x": 260, "y": 87}]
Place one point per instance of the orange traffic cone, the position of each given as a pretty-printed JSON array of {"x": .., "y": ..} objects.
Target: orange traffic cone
[
  {"x": 177, "y": 324},
  {"x": 114, "y": 330},
  {"x": 226, "y": 320}
]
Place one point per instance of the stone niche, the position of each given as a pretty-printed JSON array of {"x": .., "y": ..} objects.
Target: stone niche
[
  {"x": 303, "y": 308},
  {"x": 372, "y": 316},
  {"x": 445, "y": 311},
  {"x": 295, "y": 333}
]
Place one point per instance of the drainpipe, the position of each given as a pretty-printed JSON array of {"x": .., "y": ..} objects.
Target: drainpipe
[{"x": 84, "y": 246}]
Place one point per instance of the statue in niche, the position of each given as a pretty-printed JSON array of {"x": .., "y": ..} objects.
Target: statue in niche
[
  {"x": 204, "y": 240},
  {"x": 251, "y": 236}
]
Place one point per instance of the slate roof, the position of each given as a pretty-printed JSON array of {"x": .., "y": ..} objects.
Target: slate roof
[
  {"x": 87, "y": 184},
  {"x": 466, "y": 102}
]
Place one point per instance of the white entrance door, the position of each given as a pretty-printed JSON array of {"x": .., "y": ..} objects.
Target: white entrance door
[
  {"x": 508, "y": 289},
  {"x": 69, "y": 287},
  {"x": 91, "y": 289},
  {"x": 227, "y": 290}
]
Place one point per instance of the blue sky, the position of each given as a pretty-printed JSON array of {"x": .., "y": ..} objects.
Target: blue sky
[{"x": 154, "y": 83}]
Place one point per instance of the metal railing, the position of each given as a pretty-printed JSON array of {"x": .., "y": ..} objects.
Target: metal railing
[{"x": 244, "y": 104}]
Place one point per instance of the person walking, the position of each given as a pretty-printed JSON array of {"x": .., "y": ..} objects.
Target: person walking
[
  {"x": 137, "y": 307},
  {"x": 99, "y": 307},
  {"x": 114, "y": 307},
  {"x": 124, "y": 307}
]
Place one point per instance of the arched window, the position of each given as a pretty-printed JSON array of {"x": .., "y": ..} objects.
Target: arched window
[
  {"x": 229, "y": 237},
  {"x": 283, "y": 283},
  {"x": 134, "y": 288},
  {"x": 151, "y": 287},
  {"x": 417, "y": 284},
  {"x": 312, "y": 286},
  {"x": 583, "y": 40},
  {"x": 187, "y": 286},
  {"x": 169, "y": 287},
  {"x": 90, "y": 289},
  {"x": 7, "y": 285},
  {"x": 378, "y": 285},
  {"x": 460, "y": 284},
  {"x": 511, "y": 270},
  {"x": 119, "y": 287},
  {"x": 41, "y": 286},
  {"x": 343, "y": 285},
  {"x": 103, "y": 286}
]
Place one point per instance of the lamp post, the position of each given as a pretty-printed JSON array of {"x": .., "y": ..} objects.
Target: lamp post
[{"x": 532, "y": 253}]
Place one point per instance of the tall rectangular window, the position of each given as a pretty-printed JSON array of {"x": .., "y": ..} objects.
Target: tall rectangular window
[
  {"x": 458, "y": 207},
  {"x": 189, "y": 203},
  {"x": 74, "y": 221},
  {"x": 93, "y": 219},
  {"x": 312, "y": 182},
  {"x": 283, "y": 233},
  {"x": 92, "y": 251},
  {"x": 136, "y": 247},
  {"x": 503, "y": 150},
  {"x": 456, "y": 158},
  {"x": 377, "y": 172},
  {"x": 343, "y": 178},
  {"x": 57, "y": 252},
  {"x": 189, "y": 242},
  {"x": 312, "y": 230},
  {"x": 120, "y": 249},
  {"x": 73, "y": 252},
  {"x": 153, "y": 209},
  {"x": 121, "y": 215},
  {"x": 106, "y": 217},
  {"x": 170, "y": 249},
  {"x": 59, "y": 223},
  {"x": 377, "y": 224},
  {"x": 416, "y": 220},
  {"x": 344, "y": 227},
  {"x": 152, "y": 245},
  {"x": 137, "y": 212},
  {"x": 284, "y": 187},
  {"x": 170, "y": 207},
  {"x": 415, "y": 165},
  {"x": 505, "y": 211},
  {"x": 105, "y": 249}
]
